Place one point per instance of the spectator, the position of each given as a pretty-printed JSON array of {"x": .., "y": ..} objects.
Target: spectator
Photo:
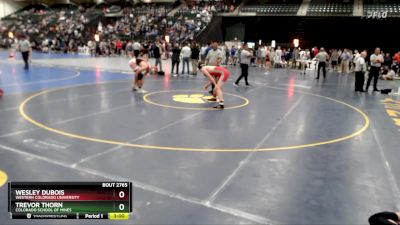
[
  {"x": 360, "y": 69},
  {"x": 25, "y": 49},
  {"x": 157, "y": 55},
  {"x": 334, "y": 59},
  {"x": 203, "y": 54},
  {"x": 344, "y": 66},
  {"x": 214, "y": 55},
  {"x": 176, "y": 52},
  {"x": 234, "y": 55},
  {"x": 388, "y": 60},
  {"x": 388, "y": 74},
  {"x": 136, "y": 48},
  {"x": 323, "y": 58},
  {"x": 119, "y": 47},
  {"x": 195, "y": 57},
  {"x": 227, "y": 53},
  {"x": 186, "y": 53}
]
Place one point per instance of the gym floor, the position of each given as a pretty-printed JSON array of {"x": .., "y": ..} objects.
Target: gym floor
[{"x": 290, "y": 149}]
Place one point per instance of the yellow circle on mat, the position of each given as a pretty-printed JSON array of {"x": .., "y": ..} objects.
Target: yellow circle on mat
[
  {"x": 3, "y": 178},
  {"x": 194, "y": 98},
  {"x": 174, "y": 148}
]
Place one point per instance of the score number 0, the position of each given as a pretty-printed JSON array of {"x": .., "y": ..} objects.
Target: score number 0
[{"x": 121, "y": 195}]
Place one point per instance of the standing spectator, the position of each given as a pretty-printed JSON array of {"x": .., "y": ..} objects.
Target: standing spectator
[
  {"x": 376, "y": 61},
  {"x": 294, "y": 57},
  {"x": 263, "y": 56},
  {"x": 360, "y": 69},
  {"x": 214, "y": 56},
  {"x": 234, "y": 52},
  {"x": 176, "y": 52},
  {"x": 195, "y": 57},
  {"x": 396, "y": 62},
  {"x": 322, "y": 57},
  {"x": 119, "y": 47},
  {"x": 387, "y": 60},
  {"x": 334, "y": 59},
  {"x": 203, "y": 53},
  {"x": 227, "y": 53},
  {"x": 136, "y": 49},
  {"x": 396, "y": 58},
  {"x": 157, "y": 55},
  {"x": 245, "y": 56},
  {"x": 25, "y": 49},
  {"x": 186, "y": 54},
  {"x": 145, "y": 50},
  {"x": 355, "y": 57},
  {"x": 129, "y": 50},
  {"x": 344, "y": 66},
  {"x": 278, "y": 57},
  {"x": 304, "y": 58},
  {"x": 258, "y": 56}
]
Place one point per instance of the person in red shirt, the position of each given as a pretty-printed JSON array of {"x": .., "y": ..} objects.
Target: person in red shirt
[
  {"x": 217, "y": 75},
  {"x": 119, "y": 47},
  {"x": 1, "y": 92},
  {"x": 396, "y": 58}
]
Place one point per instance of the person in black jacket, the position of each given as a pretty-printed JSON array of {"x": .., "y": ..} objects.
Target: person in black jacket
[
  {"x": 157, "y": 55},
  {"x": 176, "y": 52},
  {"x": 385, "y": 218},
  {"x": 195, "y": 57}
]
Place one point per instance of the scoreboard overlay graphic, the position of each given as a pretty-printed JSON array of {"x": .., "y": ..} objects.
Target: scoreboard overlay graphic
[{"x": 70, "y": 200}]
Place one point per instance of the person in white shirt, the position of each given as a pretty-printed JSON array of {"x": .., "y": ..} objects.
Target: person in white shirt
[
  {"x": 25, "y": 49},
  {"x": 278, "y": 56},
  {"x": 323, "y": 58},
  {"x": 263, "y": 56},
  {"x": 304, "y": 57},
  {"x": 136, "y": 48},
  {"x": 186, "y": 52},
  {"x": 360, "y": 69},
  {"x": 203, "y": 53},
  {"x": 376, "y": 61}
]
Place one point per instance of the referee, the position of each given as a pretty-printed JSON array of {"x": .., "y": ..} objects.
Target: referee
[{"x": 245, "y": 56}]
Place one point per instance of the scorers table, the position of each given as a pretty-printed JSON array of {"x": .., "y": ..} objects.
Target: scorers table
[{"x": 70, "y": 200}]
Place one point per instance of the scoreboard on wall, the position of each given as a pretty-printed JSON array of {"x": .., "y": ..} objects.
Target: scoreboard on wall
[{"x": 70, "y": 200}]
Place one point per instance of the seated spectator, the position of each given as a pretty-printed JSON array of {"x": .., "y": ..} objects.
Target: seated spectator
[{"x": 388, "y": 74}]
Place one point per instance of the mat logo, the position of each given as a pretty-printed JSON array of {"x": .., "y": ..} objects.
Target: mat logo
[
  {"x": 192, "y": 99},
  {"x": 3, "y": 178},
  {"x": 392, "y": 109}
]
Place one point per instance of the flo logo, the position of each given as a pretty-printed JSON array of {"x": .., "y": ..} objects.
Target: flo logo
[{"x": 192, "y": 99}]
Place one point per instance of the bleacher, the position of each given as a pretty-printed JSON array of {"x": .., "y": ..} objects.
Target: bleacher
[
  {"x": 272, "y": 8},
  {"x": 330, "y": 8},
  {"x": 392, "y": 7}
]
